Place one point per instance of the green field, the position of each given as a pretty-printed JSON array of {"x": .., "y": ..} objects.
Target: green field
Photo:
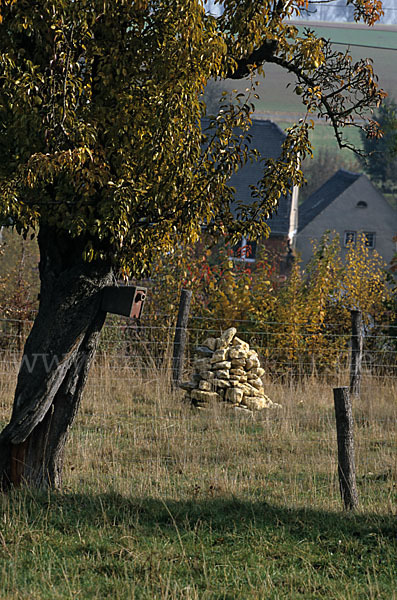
[
  {"x": 279, "y": 103},
  {"x": 161, "y": 502},
  {"x": 322, "y": 138},
  {"x": 276, "y": 98}
]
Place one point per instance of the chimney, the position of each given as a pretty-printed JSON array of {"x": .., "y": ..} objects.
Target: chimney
[{"x": 293, "y": 217}]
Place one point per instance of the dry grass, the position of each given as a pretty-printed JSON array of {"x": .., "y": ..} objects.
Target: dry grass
[
  {"x": 135, "y": 435},
  {"x": 202, "y": 501}
]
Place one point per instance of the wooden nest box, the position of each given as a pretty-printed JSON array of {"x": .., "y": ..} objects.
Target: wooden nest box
[{"x": 124, "y": 300}]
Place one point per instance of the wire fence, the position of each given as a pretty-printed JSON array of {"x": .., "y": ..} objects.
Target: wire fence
[
  {"x": 135, "y": 357},
  {"x": 286, "y": 351}
]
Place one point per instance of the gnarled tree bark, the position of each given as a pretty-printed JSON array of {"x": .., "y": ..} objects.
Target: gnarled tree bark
[{"x": 56, "y": 360}]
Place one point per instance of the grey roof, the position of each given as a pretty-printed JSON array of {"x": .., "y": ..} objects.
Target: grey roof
[
  {"x": 325, "y": 195},
  {"x": 267, "y": 138}
]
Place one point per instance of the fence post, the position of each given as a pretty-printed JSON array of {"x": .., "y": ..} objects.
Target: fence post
[
  {"x": 180, "y": 336},
  {"x": 356, "y": 352},
  {"x": 346, "y": 463}
]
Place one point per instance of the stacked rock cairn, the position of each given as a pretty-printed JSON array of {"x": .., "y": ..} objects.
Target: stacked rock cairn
[{"x": 226, "y": 369}]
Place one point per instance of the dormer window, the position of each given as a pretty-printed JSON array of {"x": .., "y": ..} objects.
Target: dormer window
[{"x": 361, "y": 204}]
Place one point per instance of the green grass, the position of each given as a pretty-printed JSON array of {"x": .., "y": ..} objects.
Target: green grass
[
  {"x": 82, "y": 545},
  {"x": 162, "y": 502},
  {"x": 322, "y": 138},
  {"x": 277, "y": 98},
  {"x": 279, "y": 103}
]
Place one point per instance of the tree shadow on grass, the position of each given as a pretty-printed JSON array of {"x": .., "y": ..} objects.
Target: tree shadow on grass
[
  {"x": 226, "y": 548},
  {"x": 220, "y": 515}
]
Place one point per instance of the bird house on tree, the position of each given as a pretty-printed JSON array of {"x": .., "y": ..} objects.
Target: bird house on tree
[{"x": 124, "y": 300}]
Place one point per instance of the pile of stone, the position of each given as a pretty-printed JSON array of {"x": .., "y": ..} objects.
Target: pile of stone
[{"x": 226, "y": 369}]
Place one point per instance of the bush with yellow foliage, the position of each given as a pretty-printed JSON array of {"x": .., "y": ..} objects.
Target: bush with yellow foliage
[{"x": 300, "y": 326}]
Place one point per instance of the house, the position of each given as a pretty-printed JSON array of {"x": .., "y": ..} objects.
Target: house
[
  {"x": 267, "y": 138},
  {"x": 348, "y": 204}
]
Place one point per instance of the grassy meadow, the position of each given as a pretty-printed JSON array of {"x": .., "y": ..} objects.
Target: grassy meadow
[
  {"x": 278, "y": 102},
  {"x": 377, "y": 44},
  {"x": 164, "y": 502}
]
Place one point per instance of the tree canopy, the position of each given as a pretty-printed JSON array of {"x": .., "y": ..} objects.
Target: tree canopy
[
  {"x": 103, "y": 155},
  {"x": 100, "y": 116}
]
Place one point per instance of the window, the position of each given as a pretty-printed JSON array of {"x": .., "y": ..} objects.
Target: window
[
  {"x": 369, "y": 239},
  {"x": 361, "y": 204},
  {"x": 245, "y": 250},
  {"x": 350, "y": 238}
]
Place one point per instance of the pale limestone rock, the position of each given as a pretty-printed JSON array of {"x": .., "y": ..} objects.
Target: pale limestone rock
[
  {"x": 252, "y": 363},
  {"x": 237, "y": 352},
  {"x": 239, "y": 371},
  {"x": 238, "y": 362},
  {"x": 207, "y": 375},
  {"x": 234, "y": 382},
  {"x": 220, "y": 383},
  {"x": 259, "y": 372},
  {"x": 222, "y": 374},
  {"x": 202, "y": 364},
  {"x": 244, "y": 349},
  {"x": 257, "y": 383},
  {"x": 205, "y": 385},
  {"x": 227, "y": 370},
  {"x": 204, "y": 351},
  {"x": 250, "y": 390},
  {"x": 246, "y": 387},
  {"x": 203, "y": 396},
  {"x": 223, "y": 364},
  {"x": 234, "y": 395},
  {"x": 238, "y": 342},
  {"x": 225, "y": 339},
  {"x": 210, "y": 343},
  {"x": 257, "y": 403},
  {"x": 219, "y": 355},
  {"x": 188, "y": 385}
]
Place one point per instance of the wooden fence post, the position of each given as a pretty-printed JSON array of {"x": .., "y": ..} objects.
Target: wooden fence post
[
  {"x": 346, "y": 463},
  {"x": 180, "y": 336},
  {"x": 356, "y": 352}
]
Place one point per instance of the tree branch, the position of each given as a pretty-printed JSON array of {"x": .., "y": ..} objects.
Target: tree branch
[{"x": 246, "y": 65}]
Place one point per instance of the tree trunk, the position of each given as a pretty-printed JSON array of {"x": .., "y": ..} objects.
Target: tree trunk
[{"x": 55, "y": 364}]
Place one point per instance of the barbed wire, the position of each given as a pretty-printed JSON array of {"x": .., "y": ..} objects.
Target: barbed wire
[
  {"x": 141, "y": 347},
  {"x": 138, "y": 325}
]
